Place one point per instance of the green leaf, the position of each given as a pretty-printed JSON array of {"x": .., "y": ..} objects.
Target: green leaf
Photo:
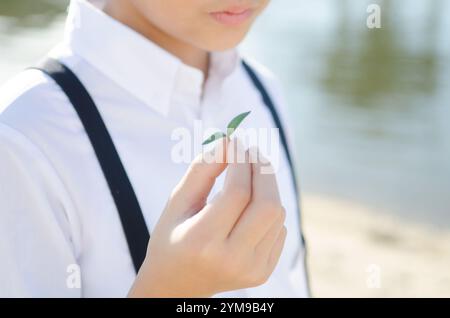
[
  {"x": 214, "y": 137},
  {"x": 235, "y": 122}
]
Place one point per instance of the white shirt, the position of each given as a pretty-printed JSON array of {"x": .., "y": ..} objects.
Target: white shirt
[{"x": 57, "y": 215}]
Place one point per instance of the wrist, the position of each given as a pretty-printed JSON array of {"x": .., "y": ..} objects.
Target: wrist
[{"x": 154, "y": 286}]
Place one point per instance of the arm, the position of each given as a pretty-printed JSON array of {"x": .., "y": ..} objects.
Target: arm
[{"x": 36, "y": 246}]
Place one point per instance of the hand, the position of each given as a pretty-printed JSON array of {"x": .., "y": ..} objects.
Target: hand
[{"x": 198, "y": 249}]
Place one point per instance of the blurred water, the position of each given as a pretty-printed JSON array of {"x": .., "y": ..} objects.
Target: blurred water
[
  {"x": 28, "y": 29},
  {"x": 370, "y": 107}
]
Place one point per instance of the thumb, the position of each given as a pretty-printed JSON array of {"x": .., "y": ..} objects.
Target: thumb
[{"x": 193, "y": 189}]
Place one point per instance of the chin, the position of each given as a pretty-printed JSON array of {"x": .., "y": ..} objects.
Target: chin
[
  {"x": 223, "y": 42},
  {"x": 223, "y": 46}
]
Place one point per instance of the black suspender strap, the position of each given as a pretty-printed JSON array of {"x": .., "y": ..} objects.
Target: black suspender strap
[
  {"x": 277, "y": 121},
  {"x": 130, "y": 213}
]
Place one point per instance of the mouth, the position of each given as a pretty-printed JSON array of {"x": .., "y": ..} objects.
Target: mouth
[{"x": 232, "y": 16}]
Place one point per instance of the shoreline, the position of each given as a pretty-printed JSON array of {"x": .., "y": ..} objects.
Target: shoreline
[{"x": 356, "y": 252}]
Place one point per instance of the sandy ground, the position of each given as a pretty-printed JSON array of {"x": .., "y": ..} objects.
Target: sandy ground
[{"x": 356, "y": 252}]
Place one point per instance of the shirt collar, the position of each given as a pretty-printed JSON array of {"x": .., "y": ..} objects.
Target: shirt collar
[{"x": 138, "y": 65}]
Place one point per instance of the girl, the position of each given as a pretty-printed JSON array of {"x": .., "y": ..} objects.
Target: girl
[{"x": 87, "y": 161}]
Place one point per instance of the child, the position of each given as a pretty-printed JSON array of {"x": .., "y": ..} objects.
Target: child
[{"x": 87, "y": 161}]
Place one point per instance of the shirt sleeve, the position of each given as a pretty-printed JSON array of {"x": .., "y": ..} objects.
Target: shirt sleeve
[{"x": 37, "y": 251}]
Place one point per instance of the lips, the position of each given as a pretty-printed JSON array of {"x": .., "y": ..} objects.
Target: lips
[{"x": 232, "y": 16}]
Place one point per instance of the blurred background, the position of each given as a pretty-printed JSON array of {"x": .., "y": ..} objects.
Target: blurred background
[{"x": 371, "y": 113}]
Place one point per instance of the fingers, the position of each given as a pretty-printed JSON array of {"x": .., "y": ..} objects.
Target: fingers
[
  {"x": 264, "y": 209},
  {"x": 276, "y": 250},
  {"x": 265, "y": 246},
  {"x": 194, "y": 188},
  {"x": 226, "y": 208}
]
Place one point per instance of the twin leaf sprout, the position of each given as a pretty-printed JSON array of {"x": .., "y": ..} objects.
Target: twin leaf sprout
[{"x": 234, "y": 123}]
